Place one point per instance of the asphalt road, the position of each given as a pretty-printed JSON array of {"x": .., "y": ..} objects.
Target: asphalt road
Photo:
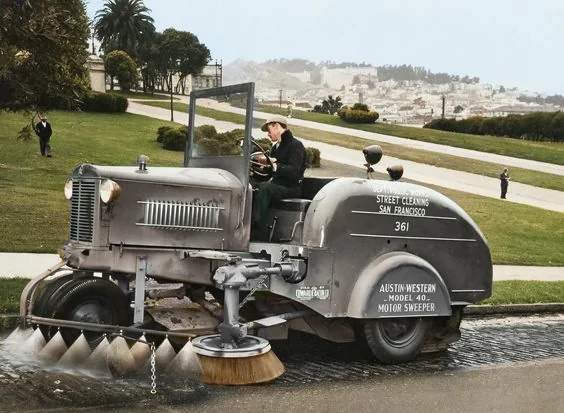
[{"x": 513, "y": 364}]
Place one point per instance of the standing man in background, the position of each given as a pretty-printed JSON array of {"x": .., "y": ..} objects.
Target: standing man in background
[
  {"x": 44, "y": 131},
  {"x": 504, "y": 179}
]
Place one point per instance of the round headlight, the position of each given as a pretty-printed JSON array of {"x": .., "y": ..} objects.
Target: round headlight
[
  {"x": 68, "y": 189},
  {"x": 109, "y": 191}
]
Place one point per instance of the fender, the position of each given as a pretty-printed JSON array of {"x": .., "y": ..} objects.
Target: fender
[{"x": 399, "y": 284}]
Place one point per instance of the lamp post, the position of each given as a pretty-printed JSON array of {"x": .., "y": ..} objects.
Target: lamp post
[{"x": 171, "y": 104}]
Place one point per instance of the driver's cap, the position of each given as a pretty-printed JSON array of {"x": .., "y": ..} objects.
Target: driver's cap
[{"x": 274, "y": 119}]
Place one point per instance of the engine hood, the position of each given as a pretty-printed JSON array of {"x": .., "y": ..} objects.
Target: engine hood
[{"x": 193, "y": 177}]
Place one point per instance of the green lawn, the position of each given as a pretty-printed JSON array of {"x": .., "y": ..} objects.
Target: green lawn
[
  {"x": 526, "y": 292},
  {"x": 538, "y": 151},
  {"x": 34, "y": 212},
  {"x": 144, "y": 95},
  {"x": 10, "y": 291},
  {"x": 476, "y": 166}
]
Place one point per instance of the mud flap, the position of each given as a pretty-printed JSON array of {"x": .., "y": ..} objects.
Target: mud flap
[{"x": 399, "y": 284}]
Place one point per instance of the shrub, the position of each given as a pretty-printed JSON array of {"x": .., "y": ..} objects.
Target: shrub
[
  {"x": 104, "y": 102},
  {"x": 543, "y": 126},
  {"x": 163, "y": 130},
  {"x": 352, "y": 115},
  {"x": 360, "y": 106},
  {"x": 313, "y": 158},
  {"x": 174, "y": 139},
  {"x": 208, "y": 141}
]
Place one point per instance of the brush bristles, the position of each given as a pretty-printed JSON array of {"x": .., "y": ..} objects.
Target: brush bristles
[{"x": 236, "y": 371}]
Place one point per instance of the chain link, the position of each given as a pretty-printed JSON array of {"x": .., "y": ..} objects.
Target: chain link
[
  {"x": 153, "y": 370},
  {"x": 260, "y": 283}
]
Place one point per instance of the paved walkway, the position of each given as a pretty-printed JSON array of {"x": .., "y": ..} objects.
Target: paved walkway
[
  {"x": 28, "y": 265},
  {"x": 428, "y": 174},
  {"x": 410, "y": 143}
]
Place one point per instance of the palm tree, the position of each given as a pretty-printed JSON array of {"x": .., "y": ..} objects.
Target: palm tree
[{"x": 121, "y": 24}]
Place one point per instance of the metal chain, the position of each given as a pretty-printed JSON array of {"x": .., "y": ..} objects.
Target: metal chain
[
  {"x": 153, "y": 370},
  {"x": 260, "y": 283}
]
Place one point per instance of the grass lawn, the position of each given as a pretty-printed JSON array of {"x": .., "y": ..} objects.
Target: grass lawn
[
  {"x": 504, "y": 292},
  {"x": 10, "y": 291},
  {"x": 35, "y": 213},
  {"x": 526, "y": 292},
  {"x": 144, "y": 95},
  {"x": 476, "y": 166},
  {"x": 538, "y": 151}
]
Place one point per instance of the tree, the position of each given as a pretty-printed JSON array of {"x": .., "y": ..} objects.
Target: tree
[
  {"x": 458, "y": 109},
  {"x": 43, "y": 51},
  {"x": 121, "y": 25},
  {"x": 121, "y": 66},
  {"x": 329, "y": 105},
  {"x": 181, "y": 53}
]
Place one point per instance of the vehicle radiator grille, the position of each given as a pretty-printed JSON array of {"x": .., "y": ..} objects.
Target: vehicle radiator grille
[
  {"x": 82, "y": 210},
  {"x": 177, "y": 215}
]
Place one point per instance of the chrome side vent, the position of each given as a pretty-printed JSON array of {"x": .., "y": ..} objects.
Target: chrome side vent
[
  {"x": 178, "y": 215},
  {"x": 82, "y": 210}
]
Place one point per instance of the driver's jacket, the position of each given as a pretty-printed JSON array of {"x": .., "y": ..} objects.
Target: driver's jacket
[{"x": 291, "y": 158}]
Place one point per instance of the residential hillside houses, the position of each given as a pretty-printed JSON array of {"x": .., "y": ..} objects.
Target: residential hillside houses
[{"x": 406, "y": 102}]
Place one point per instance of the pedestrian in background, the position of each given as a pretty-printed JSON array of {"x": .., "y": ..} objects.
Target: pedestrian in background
[
  {"x": 44, "y": 131},
  {"x": 504, "y": 179}
]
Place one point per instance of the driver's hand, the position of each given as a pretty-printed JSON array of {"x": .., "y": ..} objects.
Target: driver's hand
[{"x": 274, "y": 164}]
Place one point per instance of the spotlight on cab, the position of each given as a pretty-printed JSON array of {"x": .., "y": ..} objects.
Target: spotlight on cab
[
  {"x": 372, "y": 155},
  {"x": 395, "y": 172}
]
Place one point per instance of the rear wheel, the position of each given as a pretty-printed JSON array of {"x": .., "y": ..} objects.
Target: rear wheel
[
  {"x": 395, "y": 340},
  {"x": 90, "y": 300}
]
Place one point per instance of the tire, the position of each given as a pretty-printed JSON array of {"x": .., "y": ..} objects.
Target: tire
[
  {"x": 395, "y": 340},
  {"x": 92, "y": 300}
]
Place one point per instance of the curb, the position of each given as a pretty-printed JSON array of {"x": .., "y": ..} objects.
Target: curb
[{"x": 479, "y": 310}]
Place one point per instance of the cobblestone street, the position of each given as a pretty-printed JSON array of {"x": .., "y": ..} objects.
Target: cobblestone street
[{"x": 309, "y": 361}]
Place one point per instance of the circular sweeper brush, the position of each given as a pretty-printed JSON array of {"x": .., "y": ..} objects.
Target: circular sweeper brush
[{"x": 251, "y": 362}]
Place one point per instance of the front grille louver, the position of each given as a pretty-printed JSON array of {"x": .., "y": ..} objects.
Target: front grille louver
[
  {"x": 179, "y": 215},
  {"x": 82, "y": 210}
]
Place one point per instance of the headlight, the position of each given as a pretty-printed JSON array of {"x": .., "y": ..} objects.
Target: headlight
[
  {"x": 109, "y": 191},
  {"x": 68, "y": 189}
]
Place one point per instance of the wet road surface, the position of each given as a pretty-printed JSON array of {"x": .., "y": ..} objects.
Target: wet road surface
[{"x": 516, "y": 346}]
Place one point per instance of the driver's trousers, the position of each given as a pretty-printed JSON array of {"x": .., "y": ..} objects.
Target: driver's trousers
[{"x": 266, "y": 194}]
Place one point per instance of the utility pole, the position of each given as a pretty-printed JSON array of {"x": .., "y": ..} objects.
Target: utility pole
[
  {"x": 443, "y": 98},
  {"x": 280, "y": 98}
]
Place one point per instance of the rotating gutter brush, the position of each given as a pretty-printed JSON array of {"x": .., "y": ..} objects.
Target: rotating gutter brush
[{"x": 233, "y": 357}]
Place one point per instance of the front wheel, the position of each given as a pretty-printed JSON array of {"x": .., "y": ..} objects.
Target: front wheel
[{"x": 395, "y": 340}]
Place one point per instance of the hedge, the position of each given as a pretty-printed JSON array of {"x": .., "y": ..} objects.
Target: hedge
[
  {"x": 212, "y": 143},
  {"x": 359, "y": 113},
  {"x": 104, "y": 102},
  {"x": 539, "y": 126}
]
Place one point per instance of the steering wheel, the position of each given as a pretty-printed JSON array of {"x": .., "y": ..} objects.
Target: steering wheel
[{"x": 261, "y": 166}]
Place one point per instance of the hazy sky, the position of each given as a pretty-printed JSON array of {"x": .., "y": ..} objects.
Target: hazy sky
[{"x": 514, "y": 43}]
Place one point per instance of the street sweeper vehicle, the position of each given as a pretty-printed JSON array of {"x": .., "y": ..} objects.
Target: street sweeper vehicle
[{"x": 162, "y": 258}]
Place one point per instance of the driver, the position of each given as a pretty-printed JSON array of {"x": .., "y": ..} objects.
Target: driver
[{"x": 288, "y": 157}]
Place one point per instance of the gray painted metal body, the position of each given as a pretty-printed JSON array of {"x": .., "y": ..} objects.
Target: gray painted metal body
[{"x": 372, "y": 248}]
